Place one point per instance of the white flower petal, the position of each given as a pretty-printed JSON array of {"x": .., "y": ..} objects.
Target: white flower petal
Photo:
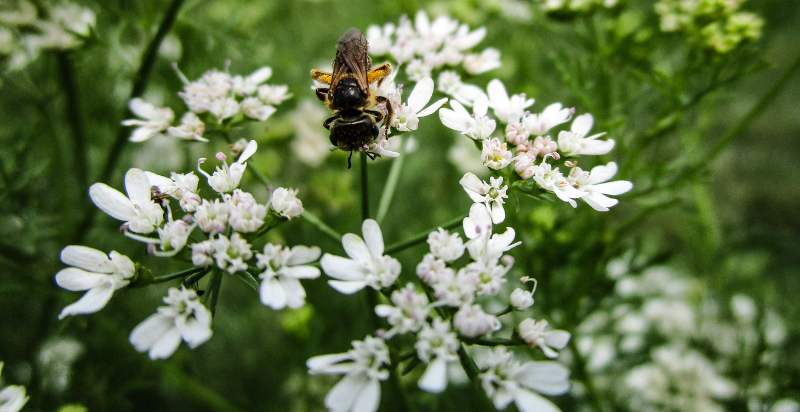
[
  {"x": 248, "y": 151},
  {"x": 78, "y": 280},
  {"x": 341, "y": 268},
  {"x": 303, "y": 254},
  {"x": 166, "y": 345},
  {"x": 300, "y": 272},
  {"x": 91, "y": 301},
  {"x": 369, "y": 398},
  {"x": 549, "y": 378},
  {"x": 373, "y": 237},
  {"x": 616, "y": 187},
  {"x": 137, "y": 186},
  {"x": 147, "y": 333},
  {"x": 87, "y": 258},
  {"x": 295, "y": 294},
  {"x": 557, "y": 339},
  {"x": 319, "y": 364},
  {"x": 345, "y": 392},
  {"x": 420, "y": 95},
  {"x": 435, "y": 378},
  {"x": 432, "y": 108},
  {"x": 272, "y": 294},
  {"x": 347, "y": 287},
  {"x": 112, "y": 202},
  {"x": 527, "y": 401},
  {"x": 355, "y": 247},
  {"x": 582, "y": 124}
]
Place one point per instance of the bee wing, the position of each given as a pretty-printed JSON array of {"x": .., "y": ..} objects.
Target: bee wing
[{"x": 352, "y": 57}]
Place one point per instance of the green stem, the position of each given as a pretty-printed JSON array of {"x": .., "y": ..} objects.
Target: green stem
[
  {"x": 177, "y": 275},
  {"x": 248, "y": 279},
  {"x": 319, "y": 224},
  {"x": 66, "y": 70},
  {"x": 139, "y": 84},
  {"x": 364, "y": 188},
  {"x": 258, "y": 175},
  {"x": 422, "y": 236},
  {"x": 390, "y": 188},
  {"x": 213, "y": 291}
]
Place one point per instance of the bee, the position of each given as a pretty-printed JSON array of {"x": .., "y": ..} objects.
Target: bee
[{"x": 354, "y": 123}]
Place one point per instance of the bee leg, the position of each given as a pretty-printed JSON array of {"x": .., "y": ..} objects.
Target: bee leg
[
  {"x": 389, "y": 112},
  {"x": 349, "y": 160},
  {"x": 376, "y": 114},
  {"x": 322, "y": 93},
  {"x": 328, "y": 121},
  {"x": 321, "y": 76},
  {"x": 379, "y": 73}
]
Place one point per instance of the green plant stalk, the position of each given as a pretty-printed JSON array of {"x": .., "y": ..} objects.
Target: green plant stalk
[
  {"x": 390, "y": 188},
  {"x": 422, "y": 236},
  {"x": 319, "y": 224},
  {"x": 66, "y": 70},
  {"x": 215, "y": 286},
  {"x": 139, "y": 85},
  {"x": 364, "y": 188},
  {"x": 177, "y": 275},
  {"x": 583, "y": 376}
]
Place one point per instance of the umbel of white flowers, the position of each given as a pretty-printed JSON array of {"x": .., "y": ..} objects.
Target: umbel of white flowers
[{"x": 12, "y": 397}]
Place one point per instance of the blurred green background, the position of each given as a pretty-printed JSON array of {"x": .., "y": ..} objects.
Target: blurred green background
[{"x": 731, "y": 224}]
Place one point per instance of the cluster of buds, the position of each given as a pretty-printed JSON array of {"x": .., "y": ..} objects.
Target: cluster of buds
[
  {"x": 217, "y": 98},
  {"x": 529, "y": 148},
  {"x": 26, "y": 32},
  {"x": 718, "y": 25}
]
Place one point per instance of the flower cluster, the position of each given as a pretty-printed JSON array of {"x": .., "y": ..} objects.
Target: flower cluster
[
  {"x": 216, "y": 99},
  {"x": 446, "y": 311},
  {"x": 718, "y": 25},
  {"x": 25, "y": 32},
  {"x": 569, "y": 7},
  {"x": 424, "y": 45},
  {"x": 529, "y": 148},
  {"x": 228, "y": 223},
  {"x": 666, "y": 350},
  {"x": 13, "y": 397}
]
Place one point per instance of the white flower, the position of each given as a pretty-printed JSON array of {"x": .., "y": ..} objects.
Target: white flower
[
  {"x": 488, "y": 59},
  {"x": 191, "y": 128},
  {"x": 491, "y": 194},
  {"x": 506, "y": 380},
  {"x": 180, "y": 186},
  {"x": 273, "y": 94},
  {"x": 744, "y": 308},
  {"x": 507, "y": 109},
  {"x": 286, "y": 203},
  {"x": 417, "y": 70},
  {"x": 137, "y": 210},
  {"x": 183, "y": 318},
  {"x": 551, "y": 179},
  {"x": 552, "y": 116},
  {"x": 254, "y": 108},
  {"x": 478, "y": 223},
  {"x": 539, "y": 334},
  {"x": 12, "y": 397},
  {"x": 283, "y": 268},
  {"x": 152, "y": 119},
  {"x": 244, "y": 213},
  {"x": 408, "y": 312},
  {"x": 227, "y": 177},
  {"x": 310, "y": 145},
  {"x": 173, "y": 237},
  {"x": 380, "y": 38},
  {"x": 542, "y": 146},
  {"x": 445, "y": 245},
  {"x": 471, "y": 321},
  {"x": 430, "y": 269},
  {"x": 208, "y": 93},
  {"x": 521, "y": 299},
  {"x": 247, "y": 85},
  {"x": 455, "y": 289},
  {"x": 203, "y": 253},
  {"x": 477, "y": 125},
  {"x": 596, "y": 186},
  {"x": 231, "y": 254},
  {"x": 449, "y": 83},
  {"x": 495, "y": 154},
  {"x": 437, "y": 346},
  {"x": 212, "y": 216},
  {"x": 367, "y": 265},
  {"x": 407, "y": 117},
  {"x": 490, "y": 274},
  {"x": 224, "y": 108},
  {"x": 574, "y": 142},
  {"x": 94, "y": 272},
  {"x": 364, "y": 367},
  {"x": 517, "y": 134}
]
